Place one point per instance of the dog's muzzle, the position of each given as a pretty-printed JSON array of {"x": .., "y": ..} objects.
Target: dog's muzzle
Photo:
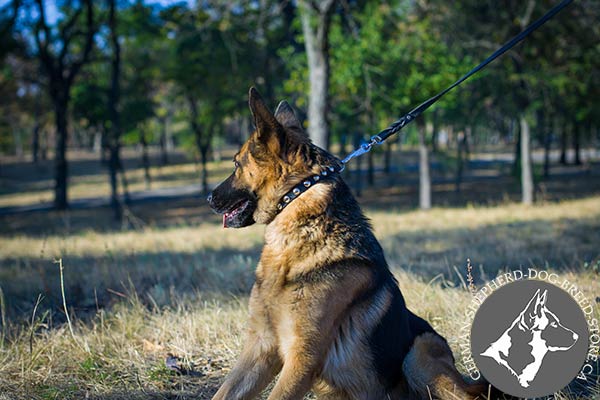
[{"x": 237, "y": 206}]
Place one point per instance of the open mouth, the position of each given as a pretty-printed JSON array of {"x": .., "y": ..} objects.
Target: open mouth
[{"x": 230, "y": 216}]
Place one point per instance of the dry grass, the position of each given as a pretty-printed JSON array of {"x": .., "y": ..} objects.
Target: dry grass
[
  {"x": 120, "y": 354},
  {"x": 137, "y": 295}
]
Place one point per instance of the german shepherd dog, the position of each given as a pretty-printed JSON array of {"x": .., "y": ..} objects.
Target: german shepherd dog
[{"x": 326, "y": 313}]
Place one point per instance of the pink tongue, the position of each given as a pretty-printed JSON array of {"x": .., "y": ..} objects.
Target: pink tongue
[{"x": 225, "y": 220}]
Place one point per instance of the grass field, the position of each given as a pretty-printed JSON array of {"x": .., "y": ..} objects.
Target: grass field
[{"x": 171, "y": 281}]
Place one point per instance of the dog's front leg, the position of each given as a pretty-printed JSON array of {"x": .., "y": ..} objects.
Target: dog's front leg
[
  {"x": 253, "y": 371},
  {"x": 298, "y": 374},
  {"x": 304, "y": 342}
]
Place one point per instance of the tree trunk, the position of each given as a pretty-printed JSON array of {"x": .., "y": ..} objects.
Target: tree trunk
[
  {"x": 60, "y": 157},
  {"x": 124, "y": 182},
  {"x": 371, "y": 168},
  {"x": 97, "y": 141},
  {"x": 145, "y": 160},
  {"x": 164, "y": 153},
  {"x": 203, "y": 160},
  {"x": 113, "y": 102},
  {"x": 35, "y": 142},
  {"x": 563, "y": 145},
  {"x": 15, "y": 128},
  {"x": 104, "y": 147},
  {"x": 526, "y": 167},
  {"x": 517, "y": 159},
  {"x": 203, "y": 140},
  {"x": 61, "y": 70},
  {"x": 434, "y": 133},
  {"x": 577, "y": 142},
  {"x": 466, "y": 140},
  {"x": 113, "y": 167},
  {"x": 547, "y": 143},
  {"x": 545, "y": 123},
  {"x": 316, "y": 21},
  {"x": 424, "y": 173},
  {"x": 387, "y": 158},
  {"x": 460, "y": 144},
  {"x": 358, "y": 171},
  {"x": 44, "y": 145},
  {"x": 203, "y": 145}
]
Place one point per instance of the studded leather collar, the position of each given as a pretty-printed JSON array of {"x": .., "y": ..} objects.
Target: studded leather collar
[{"x": 303, "y": 186}]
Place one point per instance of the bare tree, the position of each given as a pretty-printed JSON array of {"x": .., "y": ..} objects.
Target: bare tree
[
  {"x": 424, "y": 169},
  {"x": 61, "y": 61},
  {"x": 114, "y": 137},
  {"x": 316, "y": 21},
  {"x": 203, "y": 137},
  {"x": 526, "y": 174}
]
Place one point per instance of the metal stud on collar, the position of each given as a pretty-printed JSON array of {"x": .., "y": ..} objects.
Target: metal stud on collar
[{"x": 305, "y": 185}]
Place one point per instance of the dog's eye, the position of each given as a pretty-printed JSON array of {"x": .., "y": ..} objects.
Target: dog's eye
[{"x": 236, "y": 164}]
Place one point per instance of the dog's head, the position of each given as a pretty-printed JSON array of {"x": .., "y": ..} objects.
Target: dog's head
[
  {"x": 537, "y": 317},
  {"x": 277, "y": 156}
]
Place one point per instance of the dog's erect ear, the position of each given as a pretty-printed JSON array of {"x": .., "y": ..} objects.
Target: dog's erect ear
[
  {"x": 270, "y": 131},
  {"x": 285, "y": 116},
  {"x": 263, "y": 118}
]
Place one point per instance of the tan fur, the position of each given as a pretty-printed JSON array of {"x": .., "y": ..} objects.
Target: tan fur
[{"x": 315, "y": 302}]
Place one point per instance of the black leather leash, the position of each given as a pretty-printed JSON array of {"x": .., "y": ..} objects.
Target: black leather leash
[{"x": 415, "y": 112}]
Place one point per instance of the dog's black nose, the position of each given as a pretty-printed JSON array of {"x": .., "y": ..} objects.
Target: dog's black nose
[{"x": 209, "y": 198}]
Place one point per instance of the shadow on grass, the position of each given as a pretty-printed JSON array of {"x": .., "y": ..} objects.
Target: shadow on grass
[
  {"x": 160, "y": 278},
  {"x": 182, "y": 388},
  {"x": 93, "y": 283},
  {"x": 83, "y": 164},
  {"x": 395, "y": 193},
  {"x": 562, "y": 244},
  {"x": 391, "y": 192},
  {"x": 181, "y": 212}
]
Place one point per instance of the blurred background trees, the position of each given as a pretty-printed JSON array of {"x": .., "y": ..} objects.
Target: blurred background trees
[{"x": 113, "y": 74}]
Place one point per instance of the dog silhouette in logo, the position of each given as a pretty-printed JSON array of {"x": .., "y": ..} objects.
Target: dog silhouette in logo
[{"x": 535, "y": 332}]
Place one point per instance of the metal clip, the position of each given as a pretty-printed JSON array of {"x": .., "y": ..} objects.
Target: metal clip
[
  {"x": 364, "y": 148},
  {"x": 376, "y": 140}
]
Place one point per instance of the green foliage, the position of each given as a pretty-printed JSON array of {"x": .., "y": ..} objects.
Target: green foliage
[{"x": 386, "y": 57}]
